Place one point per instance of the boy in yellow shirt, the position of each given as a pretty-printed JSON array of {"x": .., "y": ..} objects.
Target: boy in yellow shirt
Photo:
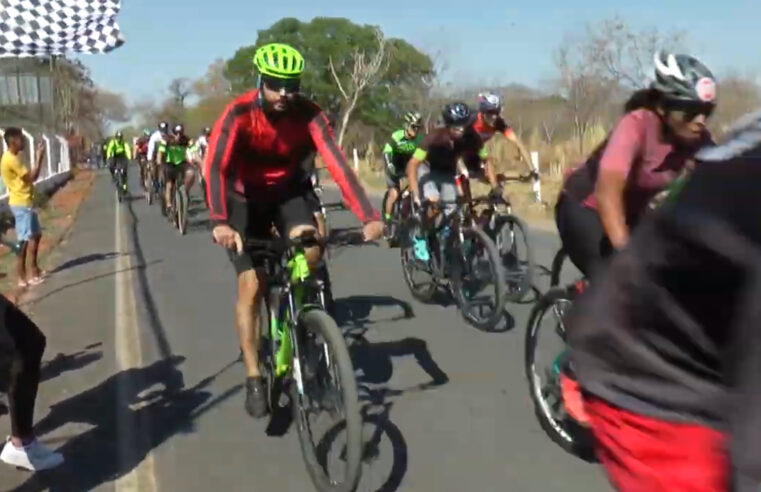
[{"x": 19, "y": 181}]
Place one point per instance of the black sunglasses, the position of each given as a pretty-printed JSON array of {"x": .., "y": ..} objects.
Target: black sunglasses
[
  {"x": 692, "y": 110},
  {"x": 289, "y": 85}
]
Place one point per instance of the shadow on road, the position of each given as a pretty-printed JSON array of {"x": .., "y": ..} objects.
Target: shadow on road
[
  {"x": 35, "y": 300},
  {"x": 384, "y": 457},
  {"x": 152, "y": 400},
  {"x": 70, "y": 362},
  {"x": 82, "y": 260},
  {"x": 354, "y": 311}
]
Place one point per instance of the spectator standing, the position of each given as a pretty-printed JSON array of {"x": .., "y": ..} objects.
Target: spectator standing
[
  {"x": 27, "y": 344},
  {"x": 19, "y": 181}
]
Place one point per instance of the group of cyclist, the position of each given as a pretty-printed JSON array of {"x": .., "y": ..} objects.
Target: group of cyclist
[
  {"x": 164, "y": 156},
  {"x": 657, "y": 376}
]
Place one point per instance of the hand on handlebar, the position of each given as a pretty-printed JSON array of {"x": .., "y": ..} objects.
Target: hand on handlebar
[{"x": 228, "y": 237}]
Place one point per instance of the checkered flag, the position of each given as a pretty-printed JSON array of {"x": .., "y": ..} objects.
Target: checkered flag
[{"x": 57, "y": 27}]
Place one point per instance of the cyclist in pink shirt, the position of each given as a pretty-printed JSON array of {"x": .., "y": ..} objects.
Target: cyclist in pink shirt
[{"x": 652, "y": 144}]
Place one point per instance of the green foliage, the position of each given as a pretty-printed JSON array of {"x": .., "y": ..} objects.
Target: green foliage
[{"x": 324, "y": 39}]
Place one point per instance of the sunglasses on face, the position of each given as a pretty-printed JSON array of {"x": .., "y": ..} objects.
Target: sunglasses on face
[
  {"x": 290, "y": 86},
  {"x": 491, "y": 113},
  {"x": 691, "y": 110}
]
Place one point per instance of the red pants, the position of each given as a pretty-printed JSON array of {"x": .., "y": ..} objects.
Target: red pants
[{"x": 643, "y": 454}]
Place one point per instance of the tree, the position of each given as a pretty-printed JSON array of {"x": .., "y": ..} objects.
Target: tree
[
  {"x": 738, "y": 95},
  {"x": 323, "y": 40},
  {"x": 213, "y": 84},
  {"x": 584, "y": 88},
  {"x": 626, "y": 55},
  {"x": 366, "y": 68},
  {"x": 112, "y": 106}
]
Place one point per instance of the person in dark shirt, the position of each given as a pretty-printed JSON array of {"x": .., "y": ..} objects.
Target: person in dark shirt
[{"x": 666, "y": 343}]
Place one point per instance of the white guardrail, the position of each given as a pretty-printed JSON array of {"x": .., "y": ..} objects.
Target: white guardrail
[{"x": 57, "y": 157}]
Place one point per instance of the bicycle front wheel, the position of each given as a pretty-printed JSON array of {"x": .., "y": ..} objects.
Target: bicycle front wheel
[
  {"x": 478, "y": 281},
  {"x": 326, "y": 405},
  {"x": 517, "y": 257},
  {"x": 546, "y": 355}
]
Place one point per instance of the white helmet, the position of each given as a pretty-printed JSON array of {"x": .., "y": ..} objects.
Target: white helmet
[{"x": 488, "y": 101}]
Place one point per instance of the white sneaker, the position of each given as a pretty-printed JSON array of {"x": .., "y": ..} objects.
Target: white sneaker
[{"x": 33, "y": 457}]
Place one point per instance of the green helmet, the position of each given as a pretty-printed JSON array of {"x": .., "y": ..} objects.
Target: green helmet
[
  {"x": 279, "y": 61},
  {"x": 147, "y": 132}
]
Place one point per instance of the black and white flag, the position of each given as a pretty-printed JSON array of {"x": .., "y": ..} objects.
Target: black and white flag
[{"x": 57, "y": 27}]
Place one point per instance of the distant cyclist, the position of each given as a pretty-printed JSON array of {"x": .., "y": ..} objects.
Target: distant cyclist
[
  {"x": 397, "y": 153},
  {"x": 118, "y": 154},
  {"x": 141, "y": 153},
  {"x": 176, "y": 167},
  {"x": 432, "y": 170},
  {"x": 664, "y": 125},
  {"x": 489, "y": 122}
]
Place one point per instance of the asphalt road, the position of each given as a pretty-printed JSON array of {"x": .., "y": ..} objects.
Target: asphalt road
[{"x": 141, "y": 389}]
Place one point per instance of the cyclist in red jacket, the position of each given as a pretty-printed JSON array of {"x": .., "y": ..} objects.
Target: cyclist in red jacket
[{"x": 254, "y": 169}]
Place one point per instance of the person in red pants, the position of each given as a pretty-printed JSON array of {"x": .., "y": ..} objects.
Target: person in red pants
[
  {"x": 666, "y": 343},
  {"x": 27, "y": 344}
]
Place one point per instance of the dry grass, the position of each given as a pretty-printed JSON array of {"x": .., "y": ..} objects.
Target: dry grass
[{"x": 554, "y": 160}]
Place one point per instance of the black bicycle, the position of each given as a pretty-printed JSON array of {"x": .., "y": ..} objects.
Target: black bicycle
[
  {"x": 305, "y": 350},
  {"x": 547, "y": 361},
  {"x": 120, "y": 181},
  {"x": 400, "y": 213},
  {"x": 458, "y": 255}
]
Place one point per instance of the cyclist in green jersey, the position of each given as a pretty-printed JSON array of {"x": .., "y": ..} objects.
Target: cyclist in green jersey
[
  {"x": 397, "y": 154},
  {"x": 173, "y": 154}
]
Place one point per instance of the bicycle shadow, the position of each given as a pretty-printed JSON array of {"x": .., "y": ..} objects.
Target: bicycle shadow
[
  {"x": 83, "y": 260},
  {"x": 115, "y": 408},
  {"x": 354, "y": 311},
  {"x": 385, "y": 452}
]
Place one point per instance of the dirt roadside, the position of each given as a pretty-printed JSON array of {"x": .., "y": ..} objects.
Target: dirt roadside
[{"x": 57, "y": 216}]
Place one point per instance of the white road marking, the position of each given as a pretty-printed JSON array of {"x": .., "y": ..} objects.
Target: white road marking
[{"x": 142, "y": 476}]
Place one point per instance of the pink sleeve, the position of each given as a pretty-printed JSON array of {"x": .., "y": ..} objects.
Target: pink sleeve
[{"x": 625, "y": 144}]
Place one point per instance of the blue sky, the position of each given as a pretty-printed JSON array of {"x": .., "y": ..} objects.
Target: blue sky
[{"x": 491, "y": 42}]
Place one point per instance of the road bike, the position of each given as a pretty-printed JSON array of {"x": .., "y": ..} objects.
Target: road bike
[
  {"x": 120, "y": 180},
  {"x": 457, "y": 255},
  {"x": 304, "y": 349}
]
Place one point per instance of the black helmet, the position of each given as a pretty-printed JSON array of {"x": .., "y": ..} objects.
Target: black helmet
[
  {"x": 163, "y": 127},
  {"x": 179, "y": 129},
  {"x": 457, "y": 114},
  {"x": 683, "y": 78},
  {"x": 207, "y": 131},
  {"x": 119, "y": 135}
]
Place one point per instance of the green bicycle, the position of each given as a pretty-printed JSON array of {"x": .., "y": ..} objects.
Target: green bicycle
[{"x": 305, "y": 350}]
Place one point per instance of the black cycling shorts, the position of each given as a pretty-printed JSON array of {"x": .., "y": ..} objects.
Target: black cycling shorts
[
  {"x": 174, "y": 172},
  {"x": 254, "y": 219}
]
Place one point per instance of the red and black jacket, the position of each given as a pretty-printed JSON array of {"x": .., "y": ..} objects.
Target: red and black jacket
[{"x": 251, "y": 153}]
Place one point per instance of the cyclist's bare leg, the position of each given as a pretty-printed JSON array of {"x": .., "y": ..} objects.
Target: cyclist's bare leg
[
  {"x": 320, "y": 220},
  {"x": 393, "y": 195},
  {"x": 251, "y": 285},
  {"x": 189, "y": 178},
  {"x": 168, "y": 191}
]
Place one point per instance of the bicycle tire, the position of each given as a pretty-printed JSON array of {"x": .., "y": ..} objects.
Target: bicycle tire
[
  {"x": 425, "y": 292},
  {"x": 516, "y": 288},
  {"x": 320, "y": 323},
  {"x": 568, "y": 434},
  {"x": 498, "y": 280}
]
